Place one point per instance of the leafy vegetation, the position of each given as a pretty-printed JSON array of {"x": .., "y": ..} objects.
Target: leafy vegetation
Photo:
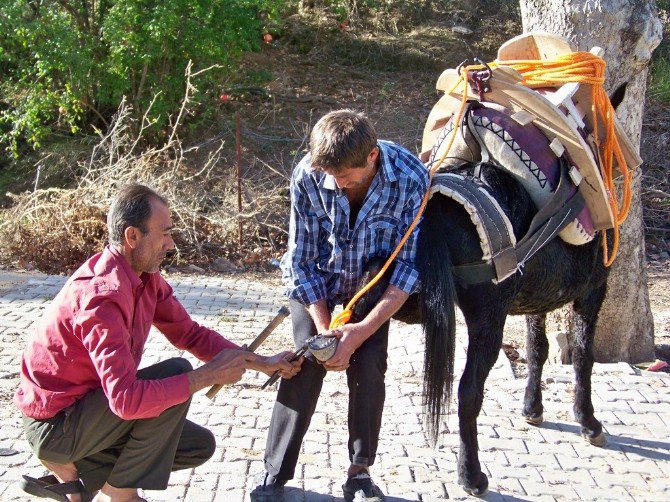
[
  {"x": 659, "y": 81},
  {"x": 68, "y": 63}
]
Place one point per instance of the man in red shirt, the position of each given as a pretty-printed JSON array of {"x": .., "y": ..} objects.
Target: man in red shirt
[{"x": 91, "y": 417}]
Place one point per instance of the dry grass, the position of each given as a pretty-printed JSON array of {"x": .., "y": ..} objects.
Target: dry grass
[
  {"x": 656, "y": 178},
  {"x": 54, "y": 230}
]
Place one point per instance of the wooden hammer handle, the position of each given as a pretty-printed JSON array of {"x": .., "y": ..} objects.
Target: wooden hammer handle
[{"x": 276, "y": 321}]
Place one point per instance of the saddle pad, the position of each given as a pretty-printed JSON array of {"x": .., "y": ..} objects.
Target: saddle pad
[{"x": 496, "y": 235}]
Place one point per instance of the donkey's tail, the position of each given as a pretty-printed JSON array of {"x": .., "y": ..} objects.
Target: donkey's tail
[{"x": 437, "y": 299}]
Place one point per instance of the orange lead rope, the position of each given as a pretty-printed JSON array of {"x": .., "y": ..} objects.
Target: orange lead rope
[{"x": 581, "y": 67}]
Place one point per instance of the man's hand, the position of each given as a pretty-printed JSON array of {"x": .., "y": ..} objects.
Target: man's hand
[
  {"x": 228, "y": 366},
  {"x": 351, "y": 337},
  {"x": 278, "y": 362},
  {"x": 225, "y": 368}
]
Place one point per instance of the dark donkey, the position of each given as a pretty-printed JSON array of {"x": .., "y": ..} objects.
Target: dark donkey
[
  {"x": 555, "y": 276},
  {"x": 558, "y": 274}
]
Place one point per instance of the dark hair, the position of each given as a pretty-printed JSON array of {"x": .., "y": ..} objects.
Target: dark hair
[
  {"x": 130, "y": 208},
  {"x": 341, "y": 139}
]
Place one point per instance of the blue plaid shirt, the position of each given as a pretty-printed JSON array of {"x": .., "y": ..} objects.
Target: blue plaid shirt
[{"x": 325, "y": 257}]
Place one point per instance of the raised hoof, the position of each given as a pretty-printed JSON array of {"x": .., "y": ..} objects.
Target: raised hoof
[
  {"x": 600, "y": 440},
  {"x": 481, "y": 489},
  {"x": 534, "y": 419}
]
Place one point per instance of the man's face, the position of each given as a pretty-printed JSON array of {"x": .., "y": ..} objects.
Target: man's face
[
  {"x": 357, "y": 177},
  {"x": 150, "y": 248}
]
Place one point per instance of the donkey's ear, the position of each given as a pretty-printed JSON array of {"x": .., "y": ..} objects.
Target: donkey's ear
[{"x": 617, "y": 96}]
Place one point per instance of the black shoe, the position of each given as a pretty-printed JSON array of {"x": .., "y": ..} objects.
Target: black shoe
[
  {"x": 267, "y": 489},
  {"x": 360, "y": 488}
]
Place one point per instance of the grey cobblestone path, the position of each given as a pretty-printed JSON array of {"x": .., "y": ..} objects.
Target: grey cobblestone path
[{"x": 550, "y": 462}]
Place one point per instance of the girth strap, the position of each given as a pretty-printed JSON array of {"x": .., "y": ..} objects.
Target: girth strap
[{"x": 559, "y": 211}]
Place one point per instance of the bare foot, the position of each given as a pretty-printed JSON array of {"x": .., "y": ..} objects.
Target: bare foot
[
  {"x": 109, "y": 493},
  {"x": 65, "y": 473}
]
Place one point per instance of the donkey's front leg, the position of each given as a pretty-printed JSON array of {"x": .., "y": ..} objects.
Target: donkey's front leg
[
  {"x": 586, "y": 314},
  {"x": 537, "y": 348},
  {"x": 483, "y": 348}
]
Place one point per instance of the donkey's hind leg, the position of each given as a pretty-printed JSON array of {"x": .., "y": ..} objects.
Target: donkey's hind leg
[
  {"x": 586, "y": 314},
  {"x": 484, "y": 342},
  {"x": 537, "y": 347}
]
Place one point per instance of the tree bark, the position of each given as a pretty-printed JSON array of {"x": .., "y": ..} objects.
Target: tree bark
[{"x": 628, "y": 30}]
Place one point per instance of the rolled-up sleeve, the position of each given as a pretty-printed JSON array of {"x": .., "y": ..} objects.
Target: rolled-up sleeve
[
  {"x": 304, "y": 282},
  {"x": 405, "y": 274}
]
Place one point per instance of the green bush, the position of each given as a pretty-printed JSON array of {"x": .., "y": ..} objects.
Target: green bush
[
  {"x": 659, "y": 74},
  {"x": 68, "y": 63}
]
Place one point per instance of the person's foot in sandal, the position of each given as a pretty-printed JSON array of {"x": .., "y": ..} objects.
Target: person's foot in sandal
[
  {"x": 109, "y": 493},
  {"x": 268, "y": 489},
  {"x": 52, "y": 488}
]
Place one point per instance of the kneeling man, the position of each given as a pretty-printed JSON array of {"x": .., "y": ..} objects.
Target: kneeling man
[{"x": 93, "y": 419}]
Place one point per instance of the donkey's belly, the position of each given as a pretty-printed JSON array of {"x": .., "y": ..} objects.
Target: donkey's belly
[
  {"x": 540, "y": 303},
  {"x": 558, "y": 275}
]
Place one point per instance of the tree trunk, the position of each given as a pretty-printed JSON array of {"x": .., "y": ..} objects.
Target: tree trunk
[{"x": 628, "y": 30}]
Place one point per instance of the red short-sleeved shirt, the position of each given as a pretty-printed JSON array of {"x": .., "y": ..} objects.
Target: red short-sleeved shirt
[{"x": 93, "y": 335}]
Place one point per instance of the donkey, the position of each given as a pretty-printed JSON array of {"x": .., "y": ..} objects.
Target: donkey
[{"x": 556, "y": 275}]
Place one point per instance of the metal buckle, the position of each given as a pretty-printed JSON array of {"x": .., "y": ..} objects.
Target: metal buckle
[{"x": 478, "y": 79}]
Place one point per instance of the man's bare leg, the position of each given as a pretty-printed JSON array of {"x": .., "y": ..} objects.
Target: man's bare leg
[
  {"x": 65, "y": 473},
  {"x": 109, "y": 493}
]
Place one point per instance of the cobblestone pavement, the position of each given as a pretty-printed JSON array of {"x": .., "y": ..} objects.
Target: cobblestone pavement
[{"x": 550, "y": 462}]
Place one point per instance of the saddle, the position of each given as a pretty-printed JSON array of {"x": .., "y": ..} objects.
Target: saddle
[{"x": 542, "y": 137}]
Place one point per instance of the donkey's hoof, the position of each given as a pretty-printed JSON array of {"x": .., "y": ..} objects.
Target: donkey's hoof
[
  {"x": 534, "y": 419},
  {"x": 598, "y": 440},
  {"x": 481, "y": 489}
]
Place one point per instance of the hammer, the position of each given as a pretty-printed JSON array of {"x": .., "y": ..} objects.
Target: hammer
[{"x": 281, "y": 315}]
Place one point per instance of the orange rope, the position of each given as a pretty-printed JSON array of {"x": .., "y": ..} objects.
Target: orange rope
[{"x": 582, "y": 67}]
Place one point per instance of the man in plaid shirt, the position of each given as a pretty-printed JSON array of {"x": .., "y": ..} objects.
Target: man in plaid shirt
[{"x": 352, "y": 199}]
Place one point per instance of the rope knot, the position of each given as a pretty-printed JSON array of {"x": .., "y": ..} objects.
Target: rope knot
[{"x": 341, "y": 319}]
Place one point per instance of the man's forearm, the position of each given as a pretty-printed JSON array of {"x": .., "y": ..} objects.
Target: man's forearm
[
  {"x": 392, "y": 299},
  {"x": 206, "y": 375},
  {"x": 320, "y": 315},
  {"x": 200, "y": 378},
  {"x": 352, "y": 336},
  {"x": 226, "y": 367}
]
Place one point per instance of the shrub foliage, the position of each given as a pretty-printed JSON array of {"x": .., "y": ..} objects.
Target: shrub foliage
[{"x": 67, "y": 64}]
